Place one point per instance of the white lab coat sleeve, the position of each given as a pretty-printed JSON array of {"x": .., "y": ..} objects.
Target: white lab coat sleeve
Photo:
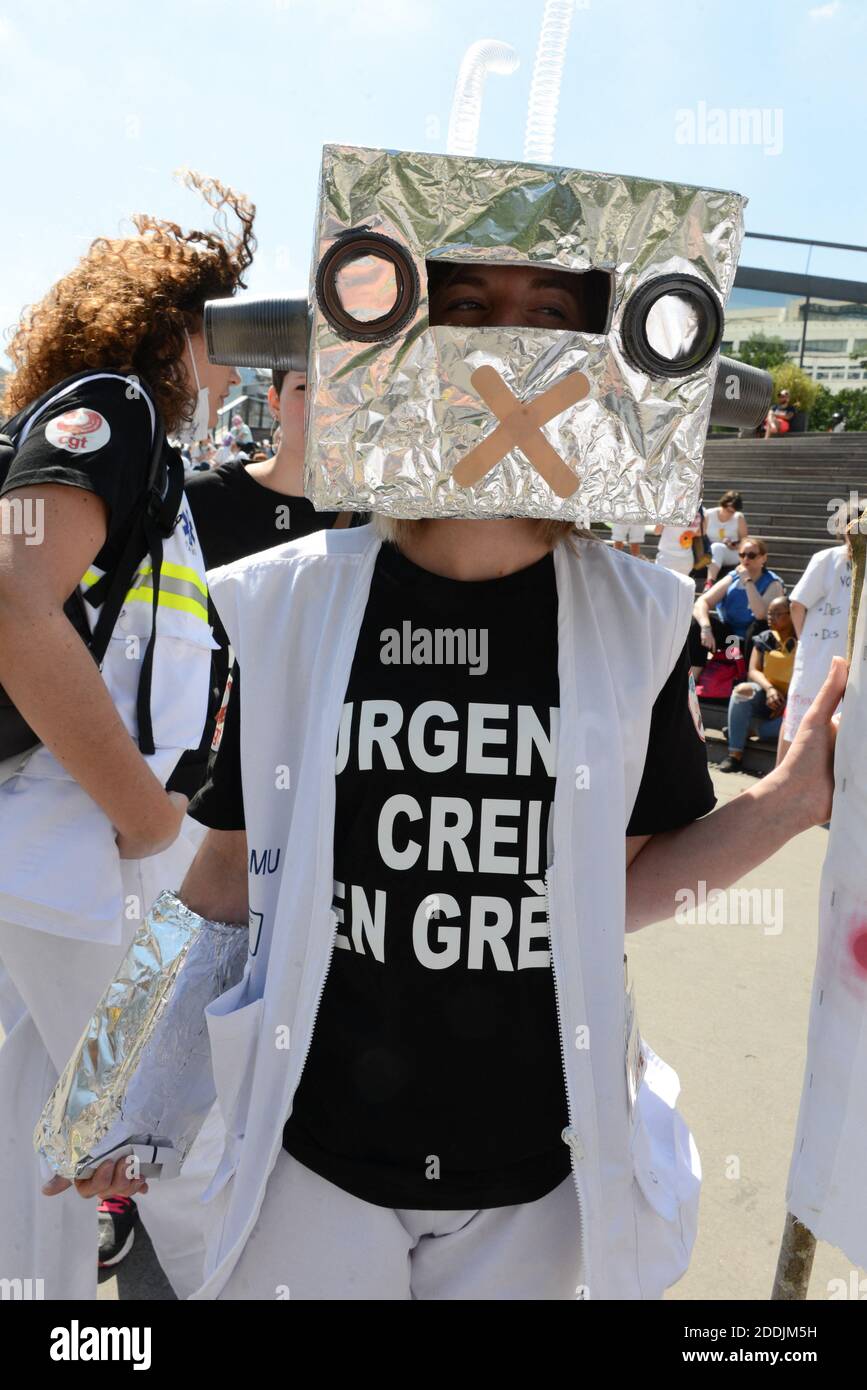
[{"x": 829, "y": 1159}]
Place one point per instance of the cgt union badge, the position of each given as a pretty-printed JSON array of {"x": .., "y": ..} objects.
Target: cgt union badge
[{"x": 79, "y": 431}]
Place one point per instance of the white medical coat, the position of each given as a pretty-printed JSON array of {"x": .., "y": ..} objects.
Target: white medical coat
[{"x": 293, "y": 616}]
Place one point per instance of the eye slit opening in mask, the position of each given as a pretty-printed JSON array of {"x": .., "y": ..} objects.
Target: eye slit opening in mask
[
  {"x": 528, "y": 295},
  {"x": 672, "y": 326},
  {"x": 367, "y": 286}
]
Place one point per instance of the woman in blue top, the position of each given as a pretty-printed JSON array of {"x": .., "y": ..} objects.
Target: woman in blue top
[{"x": 741, "y": 599}]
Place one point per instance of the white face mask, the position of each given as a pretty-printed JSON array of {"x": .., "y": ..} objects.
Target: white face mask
[{"x": 190, "y": 432}]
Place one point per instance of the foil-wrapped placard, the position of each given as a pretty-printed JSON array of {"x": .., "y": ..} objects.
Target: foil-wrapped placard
[
  {"x": 140, "y": 1080},
  {"x": 395, "y": 405}
]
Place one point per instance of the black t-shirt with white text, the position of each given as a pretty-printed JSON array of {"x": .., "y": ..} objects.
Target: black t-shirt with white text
[
  {"x": 236, "y": 515},
  {"x": 434, "y": 1078}
]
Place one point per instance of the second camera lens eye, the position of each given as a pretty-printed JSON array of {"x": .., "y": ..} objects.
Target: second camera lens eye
[
  {"x": 672, "y": 326},
  {"x": 367, "y": 286}
]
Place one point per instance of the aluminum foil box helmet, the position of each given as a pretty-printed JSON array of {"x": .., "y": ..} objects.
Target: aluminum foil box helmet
[{"x": 421, "y": 420}]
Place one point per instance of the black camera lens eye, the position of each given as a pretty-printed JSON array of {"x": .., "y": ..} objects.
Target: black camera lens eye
[
  {"x": 367, "y": 286},
  {"x": 672, "y": 326}
]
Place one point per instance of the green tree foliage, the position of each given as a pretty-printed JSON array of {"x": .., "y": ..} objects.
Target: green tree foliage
[
  {"x": 763, "y": 352},
  {"x": 852, "y": 403},
  {"x": 801, "y": 388}
]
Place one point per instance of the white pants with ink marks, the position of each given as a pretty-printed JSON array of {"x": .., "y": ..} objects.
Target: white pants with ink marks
[{"x": 313, "y": 1241}]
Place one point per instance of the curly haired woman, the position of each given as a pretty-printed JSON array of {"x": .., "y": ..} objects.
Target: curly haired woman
[{"x": 113, "y": 349}]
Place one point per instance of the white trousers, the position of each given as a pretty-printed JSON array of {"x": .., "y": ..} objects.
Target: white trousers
[
  {"x": 172, "y": 1215},
  {"x": 723, "y": 555},
  {"x": 313, "y": 1241},
  {"x": 628, "y": 532},
  {"x": 49, "y": 987}
]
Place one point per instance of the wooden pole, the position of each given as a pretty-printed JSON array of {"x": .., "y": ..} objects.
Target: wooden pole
[
  {"x": 798, "y": 1245},
  {"x": 795, "y": 1262}
]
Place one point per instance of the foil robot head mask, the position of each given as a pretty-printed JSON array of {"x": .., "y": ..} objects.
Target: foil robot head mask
[{"x": 491, "y": 339}]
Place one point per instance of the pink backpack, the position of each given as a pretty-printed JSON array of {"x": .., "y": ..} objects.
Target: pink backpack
[{"x": 720, "y": 676}]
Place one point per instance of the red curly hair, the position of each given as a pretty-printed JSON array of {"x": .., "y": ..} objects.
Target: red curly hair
[{"x": 125, "y": 306}]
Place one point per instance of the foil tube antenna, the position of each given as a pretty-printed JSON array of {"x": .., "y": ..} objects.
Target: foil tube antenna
[
  {"x": 482, "y": 57},
  {"x": 742, "y": 394},
  {"x": 257, "y": 333},
  {"x": 541, "y": 125}
]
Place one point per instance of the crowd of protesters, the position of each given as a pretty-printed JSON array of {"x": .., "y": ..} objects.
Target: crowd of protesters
[
  {"x": 236, "y": 443},
  {"x": 752, "y": 645}
]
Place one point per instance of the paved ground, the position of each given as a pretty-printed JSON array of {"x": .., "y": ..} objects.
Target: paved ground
[
  {"x": 138, "y": 1276},
  {"x": 727, "y": 1007}
]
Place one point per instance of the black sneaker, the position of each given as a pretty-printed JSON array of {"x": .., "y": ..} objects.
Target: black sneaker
[
  {"x": 118, "y": 1217},
  {"x": 730, "y": 764}
]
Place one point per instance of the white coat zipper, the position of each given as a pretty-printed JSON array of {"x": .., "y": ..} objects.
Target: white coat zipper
[
  {"x": 320, "y": 993},
  {"x": 570, "y": 1134}
]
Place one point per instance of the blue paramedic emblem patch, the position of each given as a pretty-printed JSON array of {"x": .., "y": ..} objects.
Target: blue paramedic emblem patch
[{"x": 185, "y": 521}]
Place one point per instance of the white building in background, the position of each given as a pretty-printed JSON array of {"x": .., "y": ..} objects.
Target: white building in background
[
  {"x": 835, "y": 332},
  {"x": 250, "y": 401}
]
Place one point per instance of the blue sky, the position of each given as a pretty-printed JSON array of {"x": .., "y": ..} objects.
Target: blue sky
[{"x": 102, "y": 99}]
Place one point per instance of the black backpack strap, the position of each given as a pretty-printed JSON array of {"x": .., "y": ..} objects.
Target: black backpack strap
[
  {"x": 143, "y": 699},
  {"x": 153, "y": 522},
  {"x": 158, "y": 487}
]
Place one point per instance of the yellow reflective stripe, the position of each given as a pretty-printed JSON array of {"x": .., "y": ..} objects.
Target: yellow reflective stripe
[
  {"x": 168, "y": 600},
  {"x": 170, "y": 585},
  {"x": 177, "y": 572},
  {"x": 172, "y": 571},
  {"x": 182, "y": 572}
]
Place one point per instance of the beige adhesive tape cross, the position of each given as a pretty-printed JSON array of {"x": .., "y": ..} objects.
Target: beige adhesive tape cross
[{"x": 520, "y": 427}]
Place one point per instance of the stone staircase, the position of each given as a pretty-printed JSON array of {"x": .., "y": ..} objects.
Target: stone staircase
[
  {"x": 787, "y": 485},
  {"x": 790, "y": 488}
]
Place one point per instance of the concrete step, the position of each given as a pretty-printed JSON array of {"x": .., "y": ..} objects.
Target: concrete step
[
  {"x": 717, "y": 474},
  {"x": 784, "y": 486},
  {"x": 839, "y": 481},
  {"x": 812, "y": 491},
  {"x": 815, "y": 534},
  {"x": 785, "y": 489},
  {"x": 720, "y": 464},
  {"x": 790, "y": 513},
  {"x": 828, "y": 443},
  {"x": 817, "y": 509},
  {"x": 795, "y": 444},
  {"x": 783, "y": 551},
  {"x": 782, "y": 519},
  {"x": 719, "y": 467},
  {"x": 793, "y": 451}
]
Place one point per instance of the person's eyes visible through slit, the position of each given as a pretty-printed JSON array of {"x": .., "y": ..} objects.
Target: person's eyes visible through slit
[{"x": 517, "y": 296}]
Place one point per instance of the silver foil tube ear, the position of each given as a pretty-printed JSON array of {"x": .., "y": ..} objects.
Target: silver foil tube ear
[
  {"x": 140, "y": 1081},
  {"x": 742, "y": 395},
  {"x": 257, "y": 333}
]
